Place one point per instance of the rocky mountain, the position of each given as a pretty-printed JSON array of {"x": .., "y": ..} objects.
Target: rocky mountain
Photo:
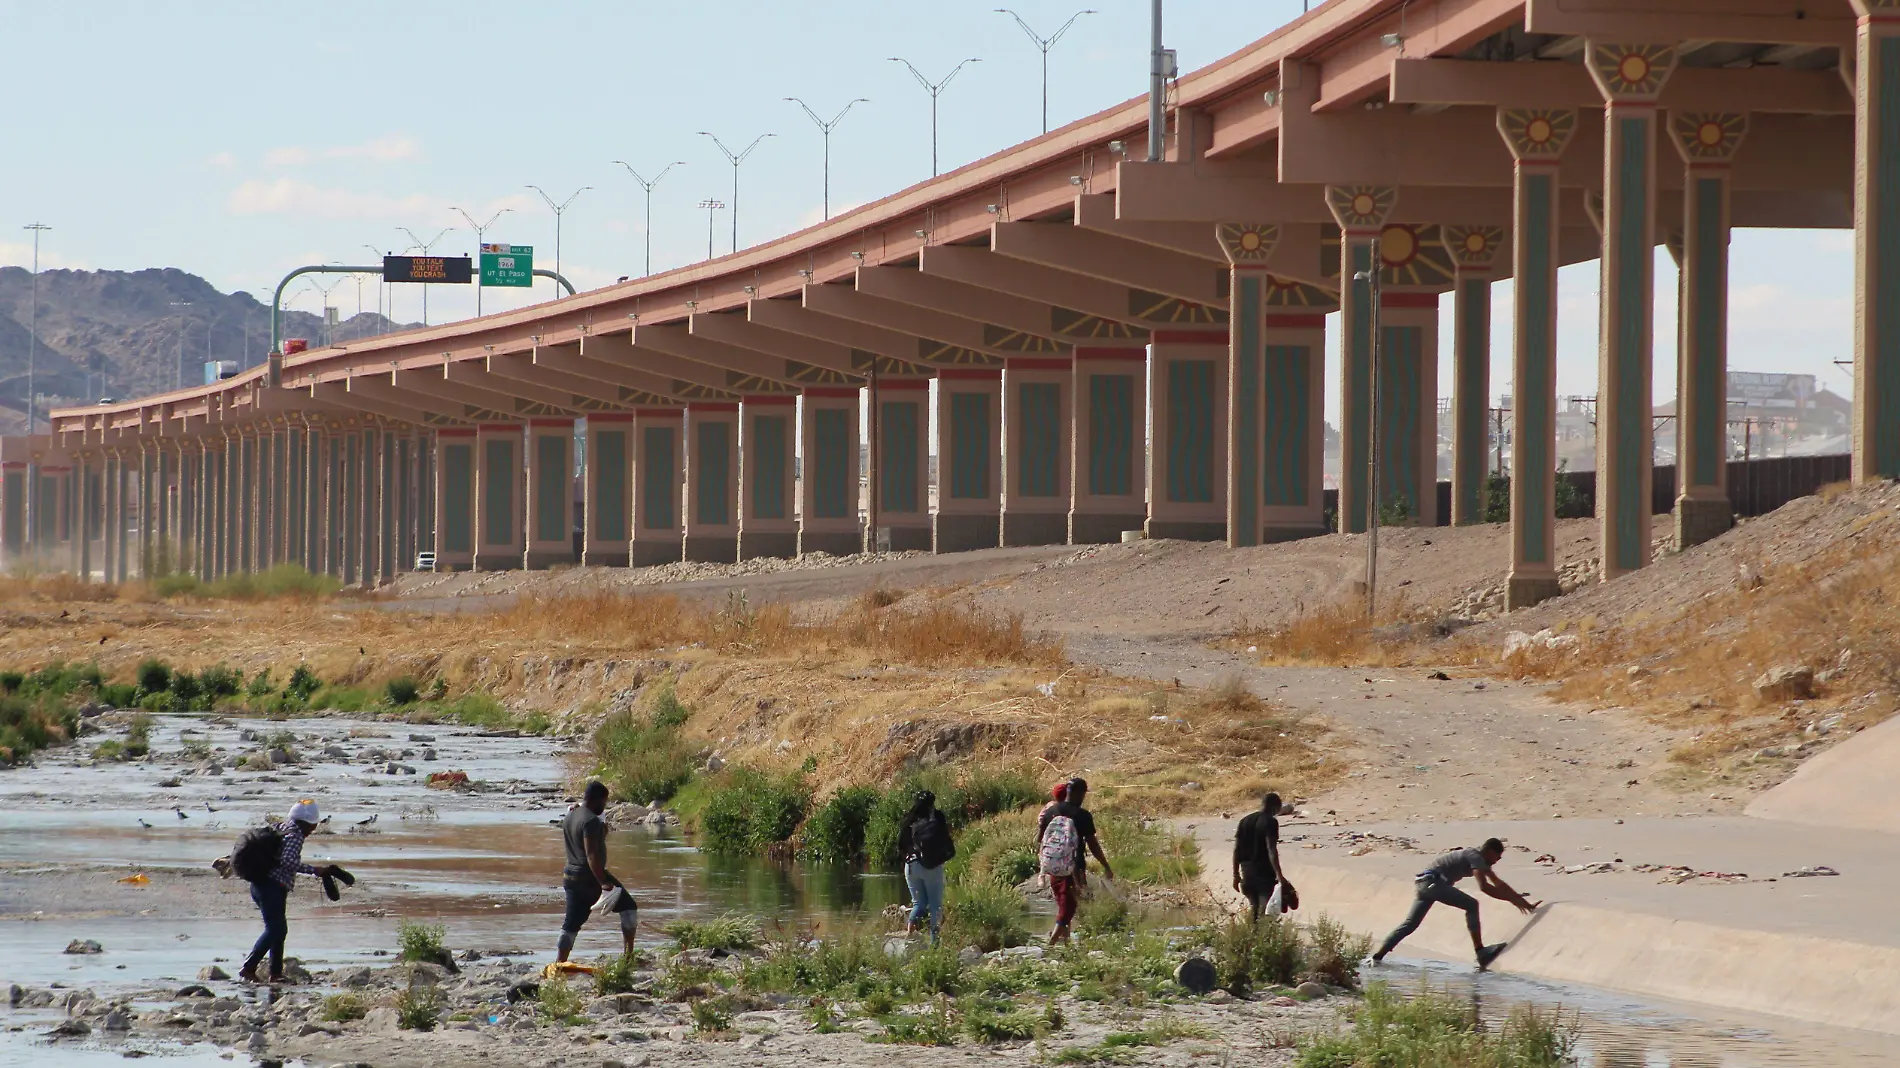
[{"x": 125, "y": 334}]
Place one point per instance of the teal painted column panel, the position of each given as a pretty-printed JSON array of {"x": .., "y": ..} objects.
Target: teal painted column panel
[
  {"x": 830, "y": 464},
  {"x": 1399, "y": 364},
  {"x": 1877, "y": 248},
  {"x": 898, "y": 426},
  {"x": 1244, "y": 410},
  {"x": 969, "y": 446},
  {"x": 1356, "y": 399},
  {"x": 1471, "y": 384},
  {"x": 608, "y": 467},
  {"x": 1111, "y": 434},
  {"x": 13, "y": 499},
  {"x": 1039, "y": 446},
  {"x": 1191, "y": 431},
  {"x": 1534, "y": 390},
  {"x": 1287, "y": 380},
  {"x": 550, "y": 488},
  {"x": 659, "y": 474},
  {"x": 769, "y": 438},
  {"x": 1710, "y": 327},
  {"x": 712, "y": 472},
  {"x": 497, "y": 492},
  {"x": 1623, "y": 417}
]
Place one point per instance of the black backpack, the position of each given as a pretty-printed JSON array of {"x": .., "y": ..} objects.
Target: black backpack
[
  {"x": 930, "y": 837},
  {"x": 256, "y": 853}
]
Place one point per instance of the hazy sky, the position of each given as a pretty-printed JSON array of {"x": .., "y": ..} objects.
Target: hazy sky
[{"x": 238, "y": 140}]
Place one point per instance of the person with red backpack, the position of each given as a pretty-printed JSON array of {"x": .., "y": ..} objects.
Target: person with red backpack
[
  {"x": 1061, "y": 833},
  {"x": 270, "y": 858}
]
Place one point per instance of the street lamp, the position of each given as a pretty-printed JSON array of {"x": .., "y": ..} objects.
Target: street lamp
[
  {"x": 827, "y": 127},
  {"x": 33, "y": 329},
  {"x": 178, "y": 371},
  {"x": 382, "y": 288},
  {"x": 424, "y": 247},
  {"x": 934, "y": 91},
  {"x": 323, "y": 312},
  {"x": 736, "y": 160},
  {"x": 1371, "y": 277},
  {"x": 558, "y": 209},
  {"x": 479, "y": 231},
  {"x": 1045, "y": 45},
  {"x": 710, "y": 206},
  {"x": 648, "y": 186}
]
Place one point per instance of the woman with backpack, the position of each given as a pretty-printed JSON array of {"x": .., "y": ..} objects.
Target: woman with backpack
[{"x": 924, "y": 843}]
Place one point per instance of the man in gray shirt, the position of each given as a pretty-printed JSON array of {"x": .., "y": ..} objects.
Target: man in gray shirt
[
  {"x": 584, "y": 833},
  {"x": 1437, "y": 885}
]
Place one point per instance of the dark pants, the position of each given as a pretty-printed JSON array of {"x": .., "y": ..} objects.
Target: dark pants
[
  {"x": 583, "y": 893},
  {"x": 271, "y": 897},
  {"x": 1433, "y": 891},
  {"x": 1257, "y": 880}
]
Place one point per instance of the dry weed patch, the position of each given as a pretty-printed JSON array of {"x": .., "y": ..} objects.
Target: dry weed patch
[{"x": 1340, "y": 633}]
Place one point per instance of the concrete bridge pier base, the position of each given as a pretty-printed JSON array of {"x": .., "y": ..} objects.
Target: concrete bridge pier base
[
  {"x": 900, "y": 465},
  {"x": 606, "y": 505},
  {"x": 828, "y": 489},
  {"x": 969, "y": 460},
  {"x": 658, "y": 464},
  {"x": 550, "y": 494},
  {"x": 1187, "y": 477},
  {"x": 712, "y": 484},
  {"x": 1039, "y": 415},
  {"x": 1108, "y": 473},
  {"x": 767, "y": 525}
]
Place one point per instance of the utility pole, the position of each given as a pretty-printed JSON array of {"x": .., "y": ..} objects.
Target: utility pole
[
  {"x": 709, "y": 205},
  {"x": 479, "y": 231},
  {"x": 1370, "y": 276},
  {"x": 1044, "y": 45},
  {"x": 827, "y": 127},
  {"x": 424, "y": 247},
  {"x": 178, "y": 372},
  {"x": 648, "y": 186},
  {"x": 33, "y": 330},
  {"x": 736, "y": 160},
  {"x": 935, "y": 91},
  {"x": 1157, "y": 89},
  {"x": 558, "y": 210}
]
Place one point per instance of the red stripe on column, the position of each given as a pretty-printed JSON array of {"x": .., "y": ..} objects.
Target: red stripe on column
[
  {"x": 1296, "y": 322},
  {"x": 886, "y": 385},
  {"x": 1038, "y": 364},
  {"x": 569, "y": 423},
  {"x": 610, "y": 417},
  {"x": 771, "y": 398},
  {"x": 1103, "y": 352},
  {"x": 1408, "y": 300},
  {"x": 454, "y": 432},
  {"x": 1189, "y": 337},
  {"x": 991, "y": 373},
  {"x": 831, "y": 391},
  {"x": 497, "y": 428},
  {"x": 660, "y": 413},
  {"x": 712, "y": 406}
]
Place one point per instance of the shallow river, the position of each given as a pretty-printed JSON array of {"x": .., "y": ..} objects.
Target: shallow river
[{"x": 486, "y": 865}]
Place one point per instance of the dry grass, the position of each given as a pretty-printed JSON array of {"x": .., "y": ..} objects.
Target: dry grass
[{"x": 1338, "y": 634}]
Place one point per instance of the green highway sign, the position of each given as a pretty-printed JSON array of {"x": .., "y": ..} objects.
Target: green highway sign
[{"x": 508, "y": 265}]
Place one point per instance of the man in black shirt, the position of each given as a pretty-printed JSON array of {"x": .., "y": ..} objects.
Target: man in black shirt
[
  {"x": 1065, "y": 886},
  {"x": 1257, "y": 868},
  {"x": 584, "y": 833}
]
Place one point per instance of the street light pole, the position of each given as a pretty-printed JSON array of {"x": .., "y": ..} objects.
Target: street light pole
[
  {"x": 33, "y": 330},
  {"x": 710, "y": 205},
  {"x": 736, "y": 160},
  {"x": 1045, "y": 45},
  {"x": 558, "y": 209},
  {"x": 382, "y": 288},
  {"x": 424, "y": 247},
  {"x": 827, "y": 127},
  {"x": 178, "y": 371},
  {"x": 479, "y": 231},
  {"x": 648, "y": 186},
  {"x": 934, "y": 91},
  {"x": 1371, "y": 277}
]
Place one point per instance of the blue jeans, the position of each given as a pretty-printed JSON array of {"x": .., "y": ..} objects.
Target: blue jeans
[
  {"x": 926, "y": 894},
  {"x": 271, "y": 897}
]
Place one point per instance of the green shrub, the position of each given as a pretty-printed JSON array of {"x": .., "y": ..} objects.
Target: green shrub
[
  {"x": 936, "y": 970},
  {"x": 138, "y": 736},
  {"x": 119, "y": 695},
  {"x": 218, "y": 681},
  {"x": 159, "y": 703},
  {"x": 10, "y": 681},
  {"x": 985, "y": 915},
  {"x": 261, "y": 685},
  {"x": 344, "y": 1007},
  {"x": 560, "y": 1003},
  {"x": 1332, "y": 953},
  {"x": 615, "y": 974},
  {"x": 1254, "y": 954},
  {"x": 109, "y": 750},
  {"x": 709, "y": 1017},
  {"x": 340, "y": 699},
  {"x": 1434, "y": 1028},
  {"x": 963, "y": 801},
  {"x": 988, "y": 1027},
  {"x": 402, "y": 691},
  {"x": 1103, "y": 915},
  {"x": 153, "y": 676},
  {"x": 418, "y": 1007},
  {"x": 184, "y": 689},
  {"x": 420, "y": 941},
  {"x": 303, "y": 683},
  {"x": 667, "y": 712},
  {"x": 835, "y": 833},
  {"x": 31, "y": 724},
  {"x": 748, "y": 812},
  {"x": 935, "y": 1026},
  {"x": 728, "y": 932},
  {"x": 175, "y": 585},
  {"x": 476, "y": 709},
  {"x": 641, "y": 755}
]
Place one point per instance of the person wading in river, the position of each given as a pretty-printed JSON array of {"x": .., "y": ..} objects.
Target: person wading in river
[
  {"x": 585, "y": 835},
  {"x": 924, "y": 843},
  {"x": 1257, "y": 870},
  {"x": 272, "y": 892},
  {"x": 1061, "y": 833},
  {"x": 1437, "y": 885}
]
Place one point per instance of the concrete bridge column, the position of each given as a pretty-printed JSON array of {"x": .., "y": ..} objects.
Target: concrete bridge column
[
  {"x": 550, "y": 494},
  {"x": 499, "y": 539},
  {"x": 204, "y": 497},
  {"x": 346, "y": 531},
  {"x": 296, "y": 488},
  {"x": 103, "y": 511},
  {"x": 1877, "y": 240},
  {"x": 1292, "y": 484},
  {"x": 1707, "y": 142},
  {"x": 274, "y": 495},
  {"x": 250, "y": 515},
  {"x": 607, "y": 504},
  {"x": 1630, "y": 76},
  {"x": 404, "y": 503},
  {"x": 454, "y": 499},
  {"x": 1108, "y": 468},
  {"x": 1473, "y": 252},
  {"x": 658, "y": 463},
  {"x": 88, "y": 515},
  {"x": 319, "y": 443},
  {"x": 969, "y": 512},
  {"x": 425, "y": 488},
  {"x": 122, "y": 484},
  {"x": 1361, "y": 212},
  {"x": 1248, "y": 247},
  {"x": 388, "y": 505},
  {"x": 767, "y": 466},
  {"x": 1536, "y": 139},
  {"x": 1408, "y": 402},
  {"x": 13, "y": 475},
  {"x": 900, "y": 463},
  {"x": 231, "y": 521},
  {"x": 1187, "y": 390},
  {"x": 712, "y": 482},
  {"x": 184, "y": 556},
  {"x": 164, "y": 499},
  {"x": 1039, "y": 421},
  {"x": 143, "y": 478},
  {"x": 828, "y": 497}
]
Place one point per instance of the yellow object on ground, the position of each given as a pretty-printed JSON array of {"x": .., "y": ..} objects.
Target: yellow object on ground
[
  {"x": 563, "y": 969},
  {"x": 135, "y": 880}
]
